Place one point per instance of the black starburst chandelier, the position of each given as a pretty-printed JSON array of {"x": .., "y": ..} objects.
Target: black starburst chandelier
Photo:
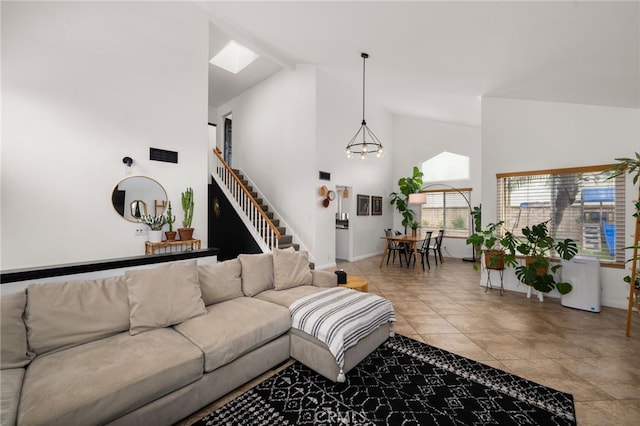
[{"x": 364, "y": 142}]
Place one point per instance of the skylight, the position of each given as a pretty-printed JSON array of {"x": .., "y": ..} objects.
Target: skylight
[{"x": 233, "y": 57}]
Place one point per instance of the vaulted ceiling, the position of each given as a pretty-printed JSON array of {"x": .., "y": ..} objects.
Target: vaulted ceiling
[{"x": 437, "y": 59}]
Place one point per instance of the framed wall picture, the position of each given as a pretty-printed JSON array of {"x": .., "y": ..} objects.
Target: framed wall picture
[
  {"x": 376, "y": 206},
  {"x": 363, "y": 205}
]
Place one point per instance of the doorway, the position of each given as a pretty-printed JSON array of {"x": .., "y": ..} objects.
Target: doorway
[{"x": 228, "y": 139}]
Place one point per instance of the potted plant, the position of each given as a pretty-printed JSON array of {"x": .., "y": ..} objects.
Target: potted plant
[
  {"x": 632, "y": 167},
  {"x": 171, "y": 219},
  {"x": 488, "y": 241},
  {"x": 186, "y": 232},
  {"x": 408, "y": 185},
  {"x": 155, "y": 223},
  {"x": 536, "y": 247},
  {"x": 414, "y": 228}
]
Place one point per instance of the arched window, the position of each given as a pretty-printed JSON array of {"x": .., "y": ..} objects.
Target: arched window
[
  {"x": 446, "y": 208},
  {"x": 446, "y": 166}
]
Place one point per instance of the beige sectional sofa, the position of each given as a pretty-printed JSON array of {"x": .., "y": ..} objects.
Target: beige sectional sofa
[{"x": 154, "y": 345}]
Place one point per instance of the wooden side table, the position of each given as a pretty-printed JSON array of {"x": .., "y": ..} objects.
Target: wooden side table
[
  {"x": 356, "y": 283},
  {"x": 171, "y": 246}
]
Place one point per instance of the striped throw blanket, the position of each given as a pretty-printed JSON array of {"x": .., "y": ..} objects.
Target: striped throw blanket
[{"x": 340, "y": 317}]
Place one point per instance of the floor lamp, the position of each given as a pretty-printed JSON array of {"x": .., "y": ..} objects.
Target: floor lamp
[{"x": 421, "y": 198}]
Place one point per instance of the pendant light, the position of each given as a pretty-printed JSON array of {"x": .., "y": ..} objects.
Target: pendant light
[{"x": 364, "y": 142}]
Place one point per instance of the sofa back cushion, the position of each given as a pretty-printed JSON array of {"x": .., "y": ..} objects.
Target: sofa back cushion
[
  {"x": 163, "y": 296},
  {"x": 291, "y": 269},
  {"x": 14, "y": 352},
  {"x": 221, "y": 281},
  {"x": 75, "y": 312},
  {"x": 257, "y": 273}
]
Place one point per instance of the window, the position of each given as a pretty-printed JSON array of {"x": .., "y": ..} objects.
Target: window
[
  {"x": 449, "y": 210},
  {"x": 445, "y": 166},
  {"x": 580, "y": 203}
]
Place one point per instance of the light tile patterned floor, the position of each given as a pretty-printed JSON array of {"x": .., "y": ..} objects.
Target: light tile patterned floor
[{"x": 583, "y": 353}]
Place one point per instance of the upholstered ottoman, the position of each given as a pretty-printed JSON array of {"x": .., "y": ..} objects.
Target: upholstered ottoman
[{"x": 333, "y": 330}]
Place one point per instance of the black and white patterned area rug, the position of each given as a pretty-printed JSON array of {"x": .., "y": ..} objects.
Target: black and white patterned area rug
[{"x": 403, "y": 382}]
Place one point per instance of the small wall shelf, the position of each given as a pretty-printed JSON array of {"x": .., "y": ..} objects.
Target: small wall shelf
[{"x": 176, "y": 246}]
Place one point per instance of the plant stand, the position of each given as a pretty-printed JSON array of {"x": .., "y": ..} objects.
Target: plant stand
[
  {"x": 540, "y": 294},
  {"x": 488, "y": 285}
]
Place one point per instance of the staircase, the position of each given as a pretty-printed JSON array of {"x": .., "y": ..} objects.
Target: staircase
[{"x": 262, "y": 223}]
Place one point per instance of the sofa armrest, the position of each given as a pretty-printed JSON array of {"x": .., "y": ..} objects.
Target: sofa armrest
[{"x": 324, "y": 278}]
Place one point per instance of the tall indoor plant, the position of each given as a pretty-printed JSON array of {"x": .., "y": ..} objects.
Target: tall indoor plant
[
  {"x": 408, "y": 185},
  {"x": 632, "y": 167},
  {"x": 186, "y": 232}
]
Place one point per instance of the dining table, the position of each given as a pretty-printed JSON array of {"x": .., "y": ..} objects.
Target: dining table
[{"x": 408, "y": 239}]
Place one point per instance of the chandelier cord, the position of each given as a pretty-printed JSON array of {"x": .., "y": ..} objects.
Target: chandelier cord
[{"x": 364, "y": 61}]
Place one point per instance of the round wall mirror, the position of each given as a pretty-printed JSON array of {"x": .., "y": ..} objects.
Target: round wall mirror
[{"x": 134, "y": 196}]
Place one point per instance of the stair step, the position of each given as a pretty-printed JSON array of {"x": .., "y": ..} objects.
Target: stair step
[
  {"x": 285, "y": 239},
  {"x": 264, "y": 208},
  {"x": 269, "y": 214},
  {"x": 276, "y": 223},
  {"x": 296, "y": 247},
  {"x": 281, "y": 229}
]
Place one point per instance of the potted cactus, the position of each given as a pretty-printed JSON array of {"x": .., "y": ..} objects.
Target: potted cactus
[
  {"x": 155, "y": 223},
  {"x": 171, "y": 219},
  {"x": 186, "y": 232}
]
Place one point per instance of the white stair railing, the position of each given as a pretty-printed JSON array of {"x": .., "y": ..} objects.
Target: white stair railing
[{"x": 258, "y": 223}]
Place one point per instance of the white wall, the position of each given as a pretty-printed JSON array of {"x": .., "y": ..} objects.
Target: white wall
[
  {"x": 519, "y": 135},
  {"x": 290, "y": 127},
  {"x": 274, "y": 130},
  {"x": 417, "y": 140},
  {"x": 85, "y": 84},
  {"x": 339, "y": 116}
]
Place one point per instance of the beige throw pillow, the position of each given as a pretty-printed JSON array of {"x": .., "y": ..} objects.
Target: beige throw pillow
[
  {"x": 221, "y": 281},
  {"x": 163, "y": 296},
  {"x": 73, "y": 312},
  {"x": 257, "y": 273},
  {"x": 291, "y": 269}
]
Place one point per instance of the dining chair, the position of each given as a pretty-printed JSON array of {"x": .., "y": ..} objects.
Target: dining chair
[
  {"x": 394, "y": 247},
  {"x": 423, "y": 250},
  {"x": 437, "y": 247}
]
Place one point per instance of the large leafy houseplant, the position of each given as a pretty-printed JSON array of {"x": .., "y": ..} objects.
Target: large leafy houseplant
[
  {"x": 407, "y": 185},
  {"x": 536, "y": 246}
]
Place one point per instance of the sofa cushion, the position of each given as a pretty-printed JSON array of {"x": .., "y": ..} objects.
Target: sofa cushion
[
  {"x": 290, "y": 269},
  {"x": 235, "y": 327},
  {"x": 257, "y": 273},
  {"x": 221, "y": 281},
  {"x": 101, "y": 380},
  {"x": 163, "y": 296},
  {"x": 70, "y": 313},
  {"x": 287, "y": 297},
  {"x": 13, "y": 348},
  {"x": 10, "y": 386}
]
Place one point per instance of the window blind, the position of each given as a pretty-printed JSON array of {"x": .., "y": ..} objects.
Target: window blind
[
  {"x": 580, "y": 203},
  {"x": 449, "y": 210}
]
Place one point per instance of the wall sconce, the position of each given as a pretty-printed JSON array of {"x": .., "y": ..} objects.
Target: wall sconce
[{"x": 128, "y": 163}]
